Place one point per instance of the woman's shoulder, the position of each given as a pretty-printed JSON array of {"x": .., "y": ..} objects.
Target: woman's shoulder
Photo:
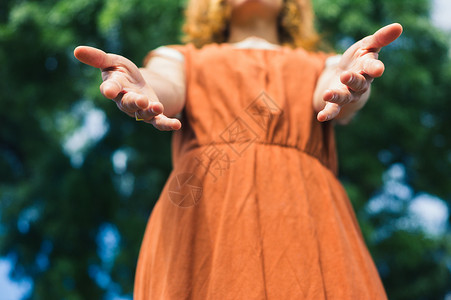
[{"x": 174, "y": 52}]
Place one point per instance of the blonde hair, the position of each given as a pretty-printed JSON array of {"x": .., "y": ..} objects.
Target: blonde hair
[{"x": 207, "y": 21}]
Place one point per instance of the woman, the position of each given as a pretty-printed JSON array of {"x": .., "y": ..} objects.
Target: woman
[{"x": 253, "y": 208}]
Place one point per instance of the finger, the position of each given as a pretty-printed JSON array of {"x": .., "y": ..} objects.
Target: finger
[
  {"x": 382, "y": 37},
  {"x": 111, "y": 88},
  {"x": 373, "y": 68},
  {"x": 356, "y": 82},
  {"x": 99, "y": 59},
  {"x": 330, "y": 111},
  {"x": 374, "y": 43},
  {"x": 340, "y": 96},
  {"x": 91, "y": 56},
  {"x": 132, "y": 101},
  {"x": 161, "y": 122},
  {"x": 152, "y": 109}
]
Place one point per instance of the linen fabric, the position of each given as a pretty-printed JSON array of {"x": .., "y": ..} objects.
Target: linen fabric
[{"x": 253, "y": 208}]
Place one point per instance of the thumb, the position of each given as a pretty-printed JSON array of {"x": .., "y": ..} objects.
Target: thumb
[
  {"x": 93, "y": 57},
  {"x": 382, "y": 37}
]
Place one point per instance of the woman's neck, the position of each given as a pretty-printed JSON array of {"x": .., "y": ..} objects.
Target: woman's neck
[{"x": 255, "y": 27}]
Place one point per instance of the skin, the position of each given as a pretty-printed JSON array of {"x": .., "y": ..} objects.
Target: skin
[
  {"x": 156, "y": 93},
  {"x": 147, "y": 92},
  {"x": 344, "y": 89},
  {"x": 257, "y": 18}
]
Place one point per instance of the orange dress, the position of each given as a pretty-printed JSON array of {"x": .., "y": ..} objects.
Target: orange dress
[{"x": 253, "y": 208}]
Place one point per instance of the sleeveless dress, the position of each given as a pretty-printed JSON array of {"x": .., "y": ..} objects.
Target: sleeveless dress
[{"x": 253, "y": 208}]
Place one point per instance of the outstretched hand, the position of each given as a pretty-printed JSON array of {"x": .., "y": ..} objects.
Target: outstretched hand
[
  {"x": 124, "y": 83},
  {"x": 357, "y": 69}
]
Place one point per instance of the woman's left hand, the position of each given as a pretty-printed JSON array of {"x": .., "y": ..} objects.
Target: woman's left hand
[{"x": 355, "y": 72}]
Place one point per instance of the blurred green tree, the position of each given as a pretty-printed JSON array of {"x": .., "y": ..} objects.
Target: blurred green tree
[
  {"x": 404, "y": 125},
  {"x": 56, "y": 197},
  {"x": 59, "y": 202}
]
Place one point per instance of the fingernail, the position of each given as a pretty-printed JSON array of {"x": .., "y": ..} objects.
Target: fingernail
[{"x": 152, "y": 109}]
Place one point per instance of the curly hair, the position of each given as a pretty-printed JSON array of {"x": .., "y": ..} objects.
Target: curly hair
[{"x": 207, "y": 21}]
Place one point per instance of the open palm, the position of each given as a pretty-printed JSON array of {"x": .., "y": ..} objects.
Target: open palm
[
  {"x": 124, "y": 83},
  {"x": 357, "y": 69}
]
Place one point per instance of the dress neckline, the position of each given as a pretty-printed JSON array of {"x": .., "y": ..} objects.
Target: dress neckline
[{"x": 255, "y": 43}]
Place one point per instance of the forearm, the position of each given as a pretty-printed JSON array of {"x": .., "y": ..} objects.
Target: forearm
[{"x": 170, "y": 94}]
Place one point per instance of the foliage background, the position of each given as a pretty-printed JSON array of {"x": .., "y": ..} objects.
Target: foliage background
[{"x": 72, "y": 217}]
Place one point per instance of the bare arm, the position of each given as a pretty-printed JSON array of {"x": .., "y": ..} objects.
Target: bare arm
[
  {"x": 167, "y": 78},
  {"x": 344, "y": 87}
]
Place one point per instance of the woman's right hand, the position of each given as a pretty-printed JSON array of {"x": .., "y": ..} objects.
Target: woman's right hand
[{"x": 124, "y": 83}]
